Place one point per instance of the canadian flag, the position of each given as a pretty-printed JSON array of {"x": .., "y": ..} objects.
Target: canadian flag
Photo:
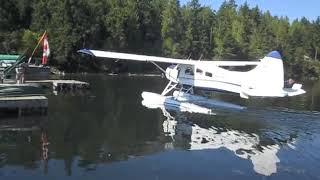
[{"x": 46, "y": 50}]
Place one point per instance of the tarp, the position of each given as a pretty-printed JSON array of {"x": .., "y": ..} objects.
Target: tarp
[{"x": 4, "y": 57}]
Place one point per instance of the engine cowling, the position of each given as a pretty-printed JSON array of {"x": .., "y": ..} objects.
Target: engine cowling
[{"x": 172, "y": 73}]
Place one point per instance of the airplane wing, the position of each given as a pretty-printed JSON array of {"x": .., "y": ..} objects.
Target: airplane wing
[{"x": 144, "y": 58}]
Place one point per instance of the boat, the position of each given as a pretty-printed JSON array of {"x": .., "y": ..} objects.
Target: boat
[
  {"x": 37, "y": 72},
  {"x": 32, "y": 70},
  {"x": 8, "y": 60}
]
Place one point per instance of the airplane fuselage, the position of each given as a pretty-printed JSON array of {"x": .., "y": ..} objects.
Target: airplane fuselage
[
  {"x": 213, "y": 78},
  {"x": 265, "y": 79}
]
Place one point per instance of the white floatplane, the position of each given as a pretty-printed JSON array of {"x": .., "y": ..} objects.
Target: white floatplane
[{"x": 266, "y": 79}]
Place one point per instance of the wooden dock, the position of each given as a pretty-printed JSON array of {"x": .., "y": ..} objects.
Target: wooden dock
[
  {"x": 60, "y": 85},
  {"x": 25, "y": 104}
]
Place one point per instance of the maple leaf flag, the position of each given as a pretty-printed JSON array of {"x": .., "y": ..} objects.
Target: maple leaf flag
[{"x": 46, "y": 50}]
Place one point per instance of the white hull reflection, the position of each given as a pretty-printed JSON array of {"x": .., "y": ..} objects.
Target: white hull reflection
[
  {"x": 153, "y": 101},
  {"x": 185, "y": 102},
  {"x": 243, "y": 145}
]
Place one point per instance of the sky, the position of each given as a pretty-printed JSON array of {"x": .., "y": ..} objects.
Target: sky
[{"x": 291, "y": 8}]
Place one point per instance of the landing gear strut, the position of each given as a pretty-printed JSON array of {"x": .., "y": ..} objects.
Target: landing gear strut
[
  {"x": 187, "y": 89},
  {"x": 171, "y": 85}
]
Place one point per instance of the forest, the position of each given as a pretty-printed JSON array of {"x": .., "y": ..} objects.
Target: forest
[{"x": 158, "y": 27}]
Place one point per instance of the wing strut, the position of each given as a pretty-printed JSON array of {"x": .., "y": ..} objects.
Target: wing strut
[{"x": 161, "y": 69}]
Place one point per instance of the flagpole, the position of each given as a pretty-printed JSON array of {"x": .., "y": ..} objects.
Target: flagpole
[{"x": 34, "y": 50}]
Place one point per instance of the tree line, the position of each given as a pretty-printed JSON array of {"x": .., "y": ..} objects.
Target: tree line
[{"x": 158, "y": 27}]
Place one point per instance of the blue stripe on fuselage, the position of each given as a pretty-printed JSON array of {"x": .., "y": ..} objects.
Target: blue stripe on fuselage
[{"x": 214, "y": 90}]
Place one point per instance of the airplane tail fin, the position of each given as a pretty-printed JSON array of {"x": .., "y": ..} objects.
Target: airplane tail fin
[
  {"x": 268, "y": 75},
  {"x": 267, "y": 79},
  {"x": 273, "y": 70}
]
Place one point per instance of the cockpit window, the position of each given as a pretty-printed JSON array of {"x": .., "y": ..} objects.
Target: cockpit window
[
  {"x": 199, "y": 71},
  {"x": 208, "y": 74},
  {"x": 189, "y": 71}
]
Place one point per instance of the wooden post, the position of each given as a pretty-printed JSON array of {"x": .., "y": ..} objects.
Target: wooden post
[{"x": 19, "y": 112}]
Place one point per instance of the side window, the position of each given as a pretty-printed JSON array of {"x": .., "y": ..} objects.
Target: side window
[
  {"x": 208, "y": 74},
  {"x": 199, "y": 71},
  {"x": 189, "y": 71}
]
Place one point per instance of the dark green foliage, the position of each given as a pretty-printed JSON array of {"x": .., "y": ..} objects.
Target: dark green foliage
[
  {"x": 171, "y": 29},
  {"x": 157, "y": 27},
  {"x": 225, "y": 31}
]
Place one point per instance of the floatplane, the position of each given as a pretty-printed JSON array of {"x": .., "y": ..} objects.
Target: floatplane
[{"x": 265, "y": 79}]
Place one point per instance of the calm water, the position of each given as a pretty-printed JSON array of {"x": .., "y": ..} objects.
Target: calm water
[{"x": 107, "y": 133}]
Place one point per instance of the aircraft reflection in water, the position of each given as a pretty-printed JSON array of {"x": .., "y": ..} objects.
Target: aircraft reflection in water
[
  {"x": 185, "y": 102},
  {"x": 242, "y": 144}
]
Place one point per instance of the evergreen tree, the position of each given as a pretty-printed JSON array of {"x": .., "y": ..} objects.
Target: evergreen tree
[
  {"x": 171, "y": 29},
  {"x": 9, "y": 27},
  {"x": 115, "y": 23},
  {"x": 206, "y": 24},
  {"x": 263, "y": 38},
  {"x": 243, "y": 29},
  {"x": 198, "y": 28},
  {"x": 224, "y": 36}
]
